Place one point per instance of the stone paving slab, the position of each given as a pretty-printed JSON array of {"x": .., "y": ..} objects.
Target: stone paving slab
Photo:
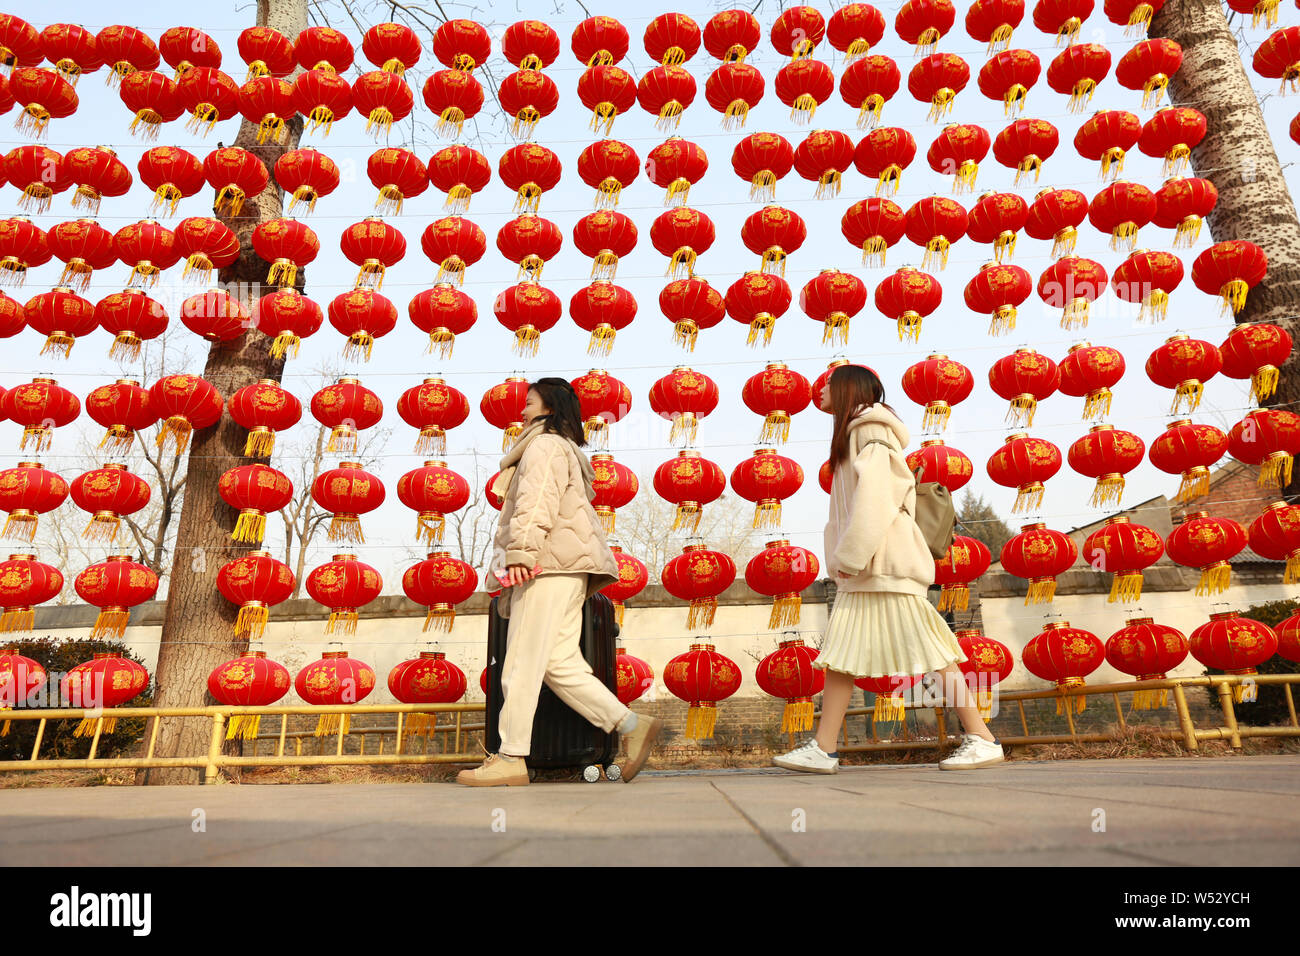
[{"x": 1237, "y": 811}]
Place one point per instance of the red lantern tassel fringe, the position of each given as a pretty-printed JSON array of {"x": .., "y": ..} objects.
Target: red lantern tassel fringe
[
  {"x": 33, "y": 121},
  {"x": 1126, "y": 586},
  {"x": 954, "y": 597},
  {"x": 103, "y": 527},
  {"x": 21, "y": 525},
  {"x": 450, "y": 122},
  {"x": 762, "y": 187},
  {"x": 146, "y": 125},
  {"x": 285, "y": 343},
  {"x": 1108, "y": 488},
  {"x": 117, "y": 438},
  {"x": 1097, "y": 403},
  {"x": 359, "y": 346},
  {"x": 767, "y": 514},
  {"x": 331, "y": 724},
  {"x": 1041, "y": 591},
  {"x": 700, "y": 719},
  {"x": 701, "y": 614},
  {"x": 763, "y": 324},
  {"x": 688, "y": 513},
  {"x": 344, "y": 620},
  {"x": 606, "y": 516},
  {"x": 1151, "y": 699},
  {"x": 439, "y": 618},
  {"x": 1029, "y": 497},
  {"x": 243, "y": 726},
  {"x": 250, "y": 527},
  {"x": 250, "y": 622},
  {"x": 111, "y": 621},
  {"x": 17, "y": 619},
  {"x": 797, "y": 716},
  {"x": 1112, "y": 164},
  {"x": 888, "y": 709},
  {"x": 283, "y": 273},
  {"x": 389, "y": 200},
  {"x": 345, "y": 527},
  {"x": 1215, "y": 578},
  {"x": 88, "y": 198},
  {"x": 685, "y": 332},
  {"x": 430, "y": 526},
  {"x": 869, "y": 112},
  {"x": 342, "y": 438},
  {"x": 432, "y": 441},
  {"x": 785, "y": 612},
  {"x": 776, "y": 427}
]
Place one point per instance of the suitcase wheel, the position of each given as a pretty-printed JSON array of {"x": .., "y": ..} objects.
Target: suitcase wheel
[
  {"x": 591, "y": 774},
  {"x": 612, "y": 772}
]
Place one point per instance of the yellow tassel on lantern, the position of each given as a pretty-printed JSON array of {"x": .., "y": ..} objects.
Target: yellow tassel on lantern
[
  {"x": 458, "y": 198},
  {"x": 984, "y": 701},
  {"x": 1112, "y": 163},
  {"x": 1075, "y": 315},
  {"x": 602, "y": 117},
  {"x": 1138, "y": 21},
  {"x": 330, "y": 724},
  {"x": 936, "y": 253},
  {"x": 389, "y": 202},
  {"x": 1097, "y": 403},
  {"x": 429, "y": 526},
  {"x": 1188, "y": 392},
  {"x": 303, "y": 196},
  {"x": 687, "y": 513},
  {"x": 17, "y": 619},
  {"x": 342, "y": 438},
  {"x": 41, "y": 437},
  {"x": 1155, "y": 305},
  {"x": 36, "y": 197},
  {"x": 451, "y": 121},
  {"x": 177, "y": 430},
  {"x": 380, "y": 121},
  {"x": 441, "y": 343},
  {"x": 358, "y": 347},
  {"x": 1003, "y": 321},
  {"x": 869, "y": 112},
  {"x": 1263, "y": 383},
  {"x": 828, "y": 185},
  {"x": 1029, "y": 497},
  {"x": 59, "y": 343},
  {"x": 607, "y": 193},
  {"x": 87, "y": 726},
  {"x": 941, "y": 104},
  {"x": 685, "y": 426},
  {"x": 21, "y": 525},
  {"x": 271, "y": 128},
  {"x": 1215, "y": 578},
  {"x": 964, "y": 180},
  {"x": 530, "y": 267},
  {"x": 527, "y": 340},
  {"x": 618, "y": 613},
  {"x": 1188, "y": 231},
  {"x": 763, "y": 324},
  {"x": 606, "y": 516},
  {"x": 1150, "y": 699},
  {"x": 76, "y": 274},
  {"x": 33, "y": 121},
  {"x": 1013, "y": 100},
  {"x": 103, "y": 527},
  {"x": 344, "y": 527},
  {"x": 700, "y": 719},
  {"x": 936, "y": 413},
  {"x": 525, "y": 122},
  {"x": 1196, "y": 482},
  {"x": 927, "y": 41},
  {"x": 1124, "y": 236},
  {"x": 805, "y": 106},
  {"x": 1081, "y": 96},
  {"x": 243, "y": 727},
  {"x": 285, "y": 343},
  {"x": 1265, "y": 10},
  {"x": 762, "y": 187},
  {"x": 776, "y": 427},
  {"x": 4, "y": 728},
  {"x": 282, "y": 274},
  {"x": 230, "y": 201},
  {"x": 670, "y": 116},
  {"x": 371, "y": 275},
  {"x": 431, "y": 441},
  {"x": 345, "y": 621},
  {"x": 604, "y": 265},
  {"x": 596, "y": 431},
  {"x": 439, "y": 618},
  {"x": 685, "y": 332},
  {"x": 260, "y": 443},
  {"x": 678, "y": 191},
  {"x": 1153, "y": 90},
  {"x": 452, "y": 269},
  {"x": 1022, "y": 409},
  {"x": 528, "y": 198},
  {"x": 321, "y": 116},
  {"x": 1275, "y": 471},
  {"x": 111, "y": 621},
  {"x": 1064, "y": 241},
  {"x": 1126, "y": 586},
  {"x": 701, "y": 613},
  {"x": 1234, "y": 295},
  {"x": 1041, "y": 591},
  {"x": 88, "y": 198},
  {"x": 767, "y": 513},
  {"x": 858, "y": 48},
  {"x": 785, "y": 612},
  {"x": 509, "y": 435},
  {"x": 772, "y": 261},
  {"x": 250, "y": 622},
  {"x": 797, "y": 716},
  {"x": 954, "y": 597},
  {"x": 203, "y": 118},
  {"x": 250, "y": 526},
  {"x": 888, "y": 709},
  {"x": 1108, "y": 488},
  {"x": 601, "y": 342},
  {"x": 836, "y": 329},
  {"x": 1075, "y": 704},
  {"x": 873, "y": 251},
  {"x": 1177, "y": 158},
  {"x": 1004, "y": 246},
  {"x": 1030, "y": 164},
  {"x": 909, "y": 327}
]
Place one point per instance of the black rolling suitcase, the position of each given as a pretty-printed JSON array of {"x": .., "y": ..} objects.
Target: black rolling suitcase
[{"x": 562, "y": 737}]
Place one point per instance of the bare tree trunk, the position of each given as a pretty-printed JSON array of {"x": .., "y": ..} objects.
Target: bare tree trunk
[
  {"x": 1239, "y": 157},
  {"x": 198, "y": 627}
]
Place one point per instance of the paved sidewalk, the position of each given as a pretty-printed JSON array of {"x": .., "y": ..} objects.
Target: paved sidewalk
[{"x": 1178, "y": 811}]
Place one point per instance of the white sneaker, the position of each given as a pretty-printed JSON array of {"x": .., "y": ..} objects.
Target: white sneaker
[
  {"x": 973, "y": 752},
  {"x": 810, "y": 758}
]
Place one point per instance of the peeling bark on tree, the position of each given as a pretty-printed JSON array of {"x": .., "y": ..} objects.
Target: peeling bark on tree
[
  {"x": 198, "y": 625},
  {"x": 1239, "y": 157}
]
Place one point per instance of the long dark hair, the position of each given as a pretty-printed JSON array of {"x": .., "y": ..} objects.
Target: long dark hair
[
  {"x": 853, "y": 389},
  {"x": 566, "y": 413}
]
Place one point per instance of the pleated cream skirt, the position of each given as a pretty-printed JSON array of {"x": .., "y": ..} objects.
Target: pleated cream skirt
[{"x": 882, "y": 633}]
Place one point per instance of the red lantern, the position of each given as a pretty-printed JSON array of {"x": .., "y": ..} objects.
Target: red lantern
[
  {"x": 528, "y": 96},
  {"x": 104, "y": 681},
  {"x": 1275, "y": 534},
  {"x": 1189, "y": 450},
  {"x": 20, "y": 43},
  {"x": 1076, "y": 71},
  {"x": 24, "y": 583},
  {"x": 1134, "y": 14},
  {"x": 937, "y": 462},
  {"x": 698, "y": 575},
  {"x": 766, "y": 479},
  {"x": 987, "y": 663},
  {"x": 433, "y": 407},
  {"x": 1025, "y": 145},
  {"x": 1184, "y": 364},
  {"x": 666, "y": 91},
  {"x": 938, "y": 383},
  {"x": 60, "y": 315},
  {"x": 797, "y": 31},
  {"x": 1288, "y": 639},
  {"x": 209, "y": 96},
  {"x": 682, "y": 234},
  {"x": 266, "y": 51},
  {"x": 433, "y": 492},
  {"x": 1235, "y": 645},
  {"x": 1230, "y": 270},
  {"x": 40, "y": 406},
  {"x": 1256, "y": 351},
  {"x": 1025, "y": 463},
  {"x": 288, "y": 245},
  {"x": 307, "y": 175},
  {"x": 867, "y": 84},
  {"x": 22, "y": 246},
  {"x": 966, "y": 559},
  {"x": 615, "y": 485},
  {"x": 1088, "y": 372},
  {"x": 854, "y": 29},
  {"x": 908, "y": 296},
  {"x": 98, "y": 173},
  {"x": 1024, "y": 378},
  {"x": 937, "y": 80},
  {"x": 935, "y": 223},
  {"x": 348, "y": 492},
  {"x": 173, "y": 174},
  {"x": 1181, "y": 205},
  {"x": 782, "y": 571},
  {"x": 1107, "y": 137},
  {"x": 440, "y": 582},
  {"x": 608, "y": 167},
  {"x": 635, "y": 676},
  {"x": 115, "y": 586},
  {"x": 702, "y": 677},
  {"x": 672, "y": 38},
  {"x": 185, "y": 403},
  {"x": 995, "y": 219},
  {"x": 993, "y": 21},
  {"x": 256, "y": 582},
  {"x": 530, "y": 44},
  {"x": 255, "y": 491},
  {"x": 392, "y": 47},
  {"x": 958, "y": 151},
  {"x": 602, "y": 308},
  {"x": 206, "y": 244},
  {"x": 347, "y": 408},
  {"x": 268, "y": 101},
  {"x": 1056, "y": 214},
  {"x": 1269, "y": 438},
  {"x": 732, "y": 35},
  {"x": 822, "y": 158},
  {"x": 109, "y": 494},
  {"x": 1148, "y": 278},
  {"x": 1106, "y": 454},
  {"x": 803, "y": 85},
  {"x": 777, "y": 393},
  {"x": 442, "y": 312},
  {"x": 1124, "y": 549},
  {"x": 148, "y": 248},
  {"x": 733, "y": 89},
  {"x": 606, "y": 90},
  {"x": 430, "y": 678},
  {"x": 398, "y": 174},
  {"x": 1072, "y": 284},
  {"x": 833, "y": 297},
  {"x": 773, "y": 233},
  {"x": 335, "y": 678},
  {"x": 922, "y": 23},
  {"x": 602, "y": 401},
  {"x": 44, "y": 95},
  {"x": 83, "y": 245},
  {"x": 762, "y": 159},
  {"x": 503, "y": 407},
  {"x": 459, "y": 171},
  {"x": 1278, "y": 58},
  {"x": 1039, "y": 554},
  {"x": 322, "y": 97},
  {"x": 605, "y": 237},
  {"x": 789, "y": 673},
  {"x": 691, "y": 304},
  {"x": 286, "y": 316},
  {"x": 689, "y": 482},
  {"x": 264, "y": 408},
  {"x": 1147, "y": 66},
  {"x": 676, "y": 165},
  {"x": 454, "y": 97},
  {"x": 1122, "y": 209},
  {"x": 599, "y": 40},
  {"x": 26, "y": 492},
  {"x": 757, "y": 299},
  {"x": 461, "y": 44},
  {"x": 1173, "y": 132},
  {"x": 375, "y": 246},
  {"x": 1146, "y": 650},
  {"x": 36, "y": 171},
  {"x": 383, "y": 98},
  {"x": 527, "y": 309},
  {"x": 183, "y": 48},
  {"x": 1065, "y": 655},
  {"x": 455, "y": 244},
  {"x": 1064, "y": 18},
  {"x": 684, "y": 396},
  {"x": 323, "y": 48},
  {"x": 529, "y": 241},
  {"x": 123, "y": 408},
  {"x": 216, "y": 316},
  {"x": 248, "y": 681},
  {"x": 13, "y": 317},
  {"x": 1009, "y": 76},
  {"x": 20, "y": 678}
]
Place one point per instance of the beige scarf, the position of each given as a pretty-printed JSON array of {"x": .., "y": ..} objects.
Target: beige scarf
[{"x": 509, "y": 463}]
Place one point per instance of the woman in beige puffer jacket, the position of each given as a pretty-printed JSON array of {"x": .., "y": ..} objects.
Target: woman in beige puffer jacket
[{"x": 550, "y": 554}]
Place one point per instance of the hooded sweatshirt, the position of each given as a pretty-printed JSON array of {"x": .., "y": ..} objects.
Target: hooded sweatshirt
[{"x": 871, "y": 534}]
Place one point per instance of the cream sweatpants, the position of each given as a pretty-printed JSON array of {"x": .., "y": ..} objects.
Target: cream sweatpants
[{"x": 542, "y": 645}]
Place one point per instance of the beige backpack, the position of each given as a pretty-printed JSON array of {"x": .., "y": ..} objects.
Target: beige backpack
[{"x": 935, "y": 514}]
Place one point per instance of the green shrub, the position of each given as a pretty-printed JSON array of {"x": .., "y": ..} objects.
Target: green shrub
[
  {"x": 58, "y": 740},
  {"x": 1271, "y": 706}
]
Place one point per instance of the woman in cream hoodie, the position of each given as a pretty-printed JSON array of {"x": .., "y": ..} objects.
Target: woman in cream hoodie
[{"x": 881, "y": 624}]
